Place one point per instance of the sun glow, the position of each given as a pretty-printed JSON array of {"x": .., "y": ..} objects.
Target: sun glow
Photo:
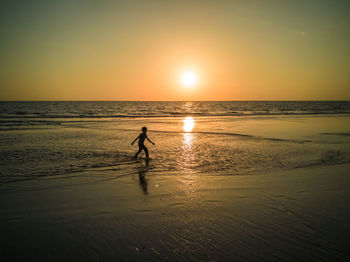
[{"x": 188, "y": 78}]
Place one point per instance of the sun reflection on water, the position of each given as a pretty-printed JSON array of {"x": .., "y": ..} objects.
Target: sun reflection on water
[
  {"x": 187, "y": 141},
  {"x": 188, "y": 124},
  {"x": 187, "y": 160}
]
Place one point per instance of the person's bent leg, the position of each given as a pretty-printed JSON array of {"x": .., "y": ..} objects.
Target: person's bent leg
[
  {"x": 138, "y": 152},
  {"x": 146, "y": 151}
]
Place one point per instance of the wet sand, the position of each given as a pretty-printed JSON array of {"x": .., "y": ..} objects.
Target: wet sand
[{"x": 296, "y": 215}]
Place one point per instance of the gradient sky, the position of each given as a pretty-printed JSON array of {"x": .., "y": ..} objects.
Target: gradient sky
[{"x": 136, "y": 50}]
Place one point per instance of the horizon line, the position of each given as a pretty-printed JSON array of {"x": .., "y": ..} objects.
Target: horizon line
[{"x": 346, "y": 100}]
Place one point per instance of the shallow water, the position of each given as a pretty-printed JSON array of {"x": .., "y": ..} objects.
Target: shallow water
[{"x": 51, "y": 140}]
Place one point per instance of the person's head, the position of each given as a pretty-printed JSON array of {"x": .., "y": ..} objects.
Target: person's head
[{"x": 144, "y": 129}]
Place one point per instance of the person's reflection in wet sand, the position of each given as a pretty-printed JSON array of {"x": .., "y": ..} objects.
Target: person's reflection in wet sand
[{"x": 142, "y": 177}]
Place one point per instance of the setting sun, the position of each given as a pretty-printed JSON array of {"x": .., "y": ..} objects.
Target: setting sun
[{"x": 188, "y": 78}]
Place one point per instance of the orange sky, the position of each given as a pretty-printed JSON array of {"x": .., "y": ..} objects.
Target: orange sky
[{"x": 137, "y": 50}]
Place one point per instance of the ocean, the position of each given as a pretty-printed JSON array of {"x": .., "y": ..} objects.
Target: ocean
[
  {"x": 227, "y": 181},
  {"x": 55, "y": 140}
]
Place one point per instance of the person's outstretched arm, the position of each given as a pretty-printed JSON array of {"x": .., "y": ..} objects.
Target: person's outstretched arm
[
  {"x": 150, "y": 141},
  {"x": 135, "y": 140}
]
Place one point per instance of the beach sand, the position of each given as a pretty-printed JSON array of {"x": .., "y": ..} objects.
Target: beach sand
[{"x": 296, "y": 215}]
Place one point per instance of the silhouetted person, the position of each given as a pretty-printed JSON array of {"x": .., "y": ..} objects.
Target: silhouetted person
[{"x": 141, "y": 139}]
